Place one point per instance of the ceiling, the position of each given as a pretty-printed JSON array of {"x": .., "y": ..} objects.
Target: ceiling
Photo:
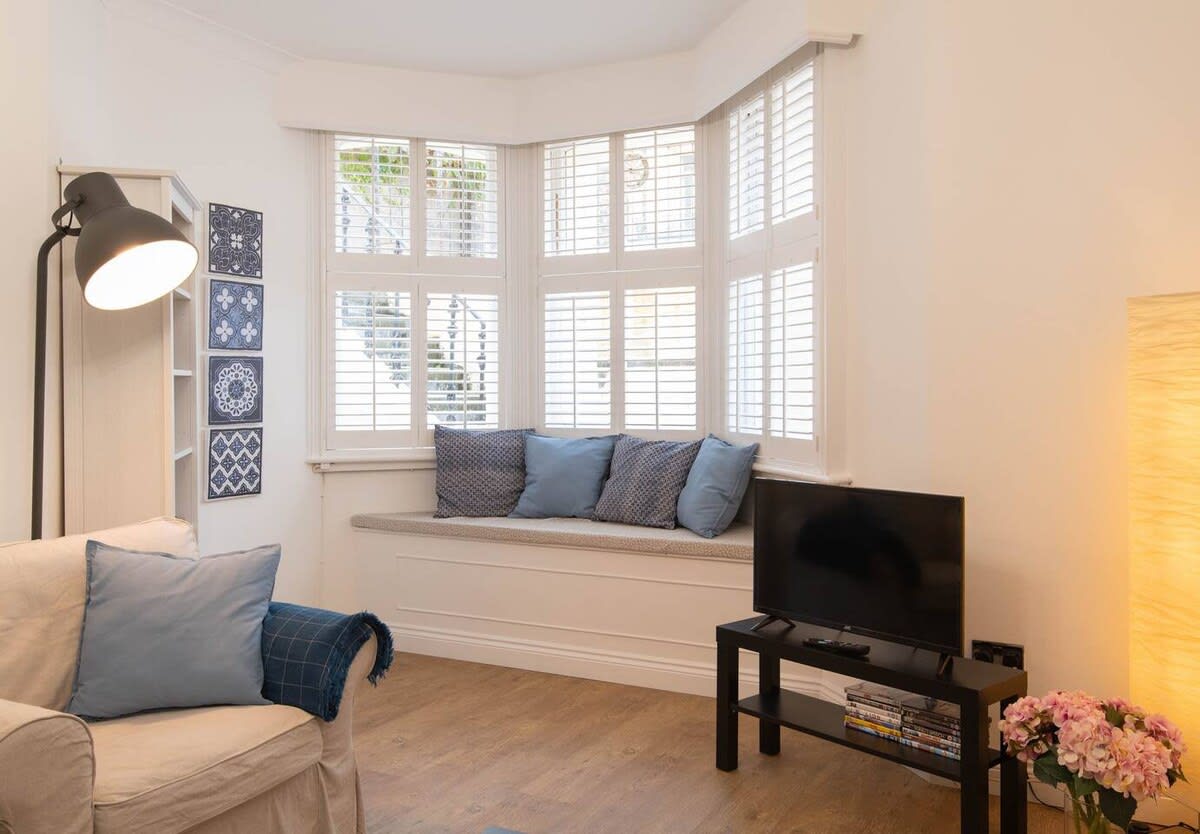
[{"x": 510, "y": 38}]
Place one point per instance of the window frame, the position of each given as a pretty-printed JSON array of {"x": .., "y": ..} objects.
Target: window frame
[
  {"x": 418, "y": 275},
  {"x": 789, "y": 242}
]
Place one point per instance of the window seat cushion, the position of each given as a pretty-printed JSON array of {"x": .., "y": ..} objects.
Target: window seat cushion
[{"x": 735, "y": 544}]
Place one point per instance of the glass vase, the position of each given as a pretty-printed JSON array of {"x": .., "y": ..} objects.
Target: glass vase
[{"x": 1082, "y": 815}]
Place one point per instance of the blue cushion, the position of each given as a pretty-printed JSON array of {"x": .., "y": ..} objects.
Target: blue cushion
[
  {"x": 715, "y": 486},
  {"x": 479, "y": 473},
  {"x": 563, "y": 476},
  {"x": 646, "y": 478},
  {"x": 167, "y": 631}
]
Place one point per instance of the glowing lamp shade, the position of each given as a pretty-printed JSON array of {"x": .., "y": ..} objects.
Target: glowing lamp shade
[
  {"x": 126, "y": 256},
  {"x": 1164, "y": 511}
]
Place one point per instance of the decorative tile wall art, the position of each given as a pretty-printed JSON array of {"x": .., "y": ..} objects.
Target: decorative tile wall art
[
  {"x": 235, "y": 389},
  {"x": 235, "y": 241},
  {"x": 234, "y": 462},
  {"x": 235, "y": 315}
]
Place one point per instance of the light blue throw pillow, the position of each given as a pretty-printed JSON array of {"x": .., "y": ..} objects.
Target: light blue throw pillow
[
  {"x": 168, "y": 631},
  {"x": 715, "y": 486},
  {"x": 563, "y": 476}
]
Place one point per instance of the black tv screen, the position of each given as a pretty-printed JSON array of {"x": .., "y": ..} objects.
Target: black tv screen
[{"x": 879, "y": 563}]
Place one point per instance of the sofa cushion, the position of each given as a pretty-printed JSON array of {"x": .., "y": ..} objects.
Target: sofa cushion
[
  {"x": 479, "y": 473},
  {"x": 563, "y": 476},
  {"x": 645, "y": 481},
  {"x": 43, "y": 586},
  {"x": 715, "y": 486},
  {"x": 168, "y": 631},
  {"x": 168, "y": 771}
]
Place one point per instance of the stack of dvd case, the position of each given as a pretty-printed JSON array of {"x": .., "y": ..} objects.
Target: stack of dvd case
[
  {"x": 874, "y": 709},
  {"x": 930, "y": 725}
]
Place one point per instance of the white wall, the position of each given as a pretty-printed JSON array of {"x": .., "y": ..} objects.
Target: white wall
[
  {"x": 128, "y": 83},
  {"x": 1015, "y": 172}
]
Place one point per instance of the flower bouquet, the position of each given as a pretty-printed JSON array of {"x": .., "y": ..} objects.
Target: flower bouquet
[{"x": 1107, "y": 755}]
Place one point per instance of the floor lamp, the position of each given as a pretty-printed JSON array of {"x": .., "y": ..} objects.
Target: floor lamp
[{"x": 125, "y": 257}]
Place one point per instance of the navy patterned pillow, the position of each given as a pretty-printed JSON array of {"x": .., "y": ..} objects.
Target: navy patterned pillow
[
  {"x": 479, "y": 473},
  {"x": 645, "y": 481}
]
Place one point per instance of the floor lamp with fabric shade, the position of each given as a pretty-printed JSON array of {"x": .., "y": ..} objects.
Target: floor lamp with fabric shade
[{"x": 125, "y": 257}]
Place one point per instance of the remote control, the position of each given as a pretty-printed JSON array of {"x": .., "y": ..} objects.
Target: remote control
[{"x": 838, "y": 647}]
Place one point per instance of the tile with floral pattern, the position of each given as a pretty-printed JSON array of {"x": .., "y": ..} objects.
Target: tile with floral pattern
[{"x": 235, "y": 315}]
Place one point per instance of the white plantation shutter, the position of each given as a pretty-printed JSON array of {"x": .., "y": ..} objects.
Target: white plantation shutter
[
  {"x": 660, "y": 359},
  {"x": 372, "y": 201},
  {"x": 462, "y": 360},
  {"x": 744, "y": 375},
  {"x": 792, "y": 144},
  {"x": 462, "y": 199},
  {"x": 575, "y": 193},
  {"x": 747, "y": 166},
  {"x": 372, "y": 361},
  {"x": 792, "y": 352},
  {"x": 660, "y": 188},
  {"x": 578, "y": 360}
]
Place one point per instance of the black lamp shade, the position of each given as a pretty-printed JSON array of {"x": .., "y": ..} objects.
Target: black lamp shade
[{"x": 126, "y": 256}]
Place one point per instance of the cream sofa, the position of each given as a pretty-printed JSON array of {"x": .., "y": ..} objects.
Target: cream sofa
[{"x": 218, "y": 769}]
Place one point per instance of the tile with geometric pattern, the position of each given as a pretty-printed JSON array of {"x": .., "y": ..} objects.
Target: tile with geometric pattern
[{"x": 234, "y": 462}]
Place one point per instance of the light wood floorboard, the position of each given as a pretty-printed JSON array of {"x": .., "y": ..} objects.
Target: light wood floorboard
[{"x": 446, "y": 747}]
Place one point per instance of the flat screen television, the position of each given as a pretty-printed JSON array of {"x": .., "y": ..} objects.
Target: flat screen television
[{"x": 870, "y": 561}]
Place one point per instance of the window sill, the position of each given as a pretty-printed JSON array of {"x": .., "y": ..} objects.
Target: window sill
[{"x": 424, "y": 458}]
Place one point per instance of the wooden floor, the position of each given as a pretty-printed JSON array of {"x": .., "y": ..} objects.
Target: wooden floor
[{"x": 446, "y": 746}]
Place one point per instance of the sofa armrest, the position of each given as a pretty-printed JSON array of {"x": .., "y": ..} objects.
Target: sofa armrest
[
  {"x": 47, "y": 771},
  {"x": 308, "y": 652}
]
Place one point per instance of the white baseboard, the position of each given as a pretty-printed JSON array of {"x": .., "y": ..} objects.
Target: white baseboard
[{"x": 653, "y": 671}]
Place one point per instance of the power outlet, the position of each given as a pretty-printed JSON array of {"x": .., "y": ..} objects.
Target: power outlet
[{"x": 1006, "y": 654}]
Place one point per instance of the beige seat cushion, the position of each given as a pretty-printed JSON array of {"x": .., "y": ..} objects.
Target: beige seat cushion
[
  {"x": 43, "y": 589},
  {"x": 167, "y": 771}
]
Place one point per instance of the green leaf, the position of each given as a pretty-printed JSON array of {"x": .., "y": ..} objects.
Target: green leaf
[
  {"x": 1117, "y": 808},
  {"x": 1047, "y": 769},
  {"x": 1083, "y": 787},
  {"x": 1114, "y": 716}
]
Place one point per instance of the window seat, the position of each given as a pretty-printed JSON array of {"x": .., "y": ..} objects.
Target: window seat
[{"x": 735, "y": 544}]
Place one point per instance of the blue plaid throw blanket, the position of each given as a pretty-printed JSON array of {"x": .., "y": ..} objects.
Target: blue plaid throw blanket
[{"x": 307, "y": 653}]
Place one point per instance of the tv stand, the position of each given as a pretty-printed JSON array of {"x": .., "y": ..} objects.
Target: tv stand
[
  {"x": 971, "y": 684},
  {"x": 771, "y": 618}
]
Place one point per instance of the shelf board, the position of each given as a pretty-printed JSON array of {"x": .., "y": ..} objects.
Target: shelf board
[
  {"x": 824, "y": 720},
  {"x": 182, "y": 373},
  {"x": 180, "y": 292},
  {"x": 183, "y": 453}
]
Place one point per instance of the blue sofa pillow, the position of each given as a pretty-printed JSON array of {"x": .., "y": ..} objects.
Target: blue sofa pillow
[
  {"x": 168, "y": 631},
  {"x": 646, "y": 478},
  {"x": 715, "y": 486},
  {"x": 563, "y": 476},
  {"x": 479, "y": 473}
]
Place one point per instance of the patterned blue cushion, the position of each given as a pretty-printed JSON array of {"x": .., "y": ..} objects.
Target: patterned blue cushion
[
  {"x": 479, "y": 473},
  {"x": 645, "y": 481}
]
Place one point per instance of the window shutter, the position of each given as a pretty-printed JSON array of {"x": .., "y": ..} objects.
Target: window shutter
[
  {"x": 371, "y": 197},
  {"x": 575, "y": 193},
  {"x": 747, "y": 166},
  {"x": 791, "y": 350},
  {"x": 462, "y": 186},
  {"x": 792, "y": 145},
  {"x": 462, "y": 355},
  {"x": 372, "y": 366},
  {"x": 744, "y": 396},
  {"x": 578, "y": 369},
  {"x": 660, "y": 188},
  {"x": 660, "y": 359}
]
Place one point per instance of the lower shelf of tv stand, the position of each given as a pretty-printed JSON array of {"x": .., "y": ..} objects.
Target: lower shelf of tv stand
[{"x": 825, "y": 720}]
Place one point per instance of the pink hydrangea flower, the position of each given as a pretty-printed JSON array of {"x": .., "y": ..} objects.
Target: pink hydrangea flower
[
  {"x": 1166, "y": 733},
  {"x": 1140, "y": 765},
  {"x": 1027, "y": 728},
  {"x": 1084, "y": 747},
  {"x": 1068, "y": 706}
]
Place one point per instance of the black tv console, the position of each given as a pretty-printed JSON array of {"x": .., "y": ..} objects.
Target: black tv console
[{"x": 973, "y": 685}]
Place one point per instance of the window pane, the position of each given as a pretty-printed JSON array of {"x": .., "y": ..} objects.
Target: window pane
[
  {"x": 462, "y": 186},
  {"x": 791, "y": 350},
  {"x": 660, "y": 188},
  {"x": 660, "y": 358},
  {"x": 371, "y": 199},
  {"x": 463, "y": 360},
  {"x": 744, "y": 399},
  {"x": 372, "y": 361},
  {"x": 575, "y": 192},
  {"x": 792, "y": 145},
  {"x": 578, "y": 370},
  {"x": 747, "y": 167}
]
